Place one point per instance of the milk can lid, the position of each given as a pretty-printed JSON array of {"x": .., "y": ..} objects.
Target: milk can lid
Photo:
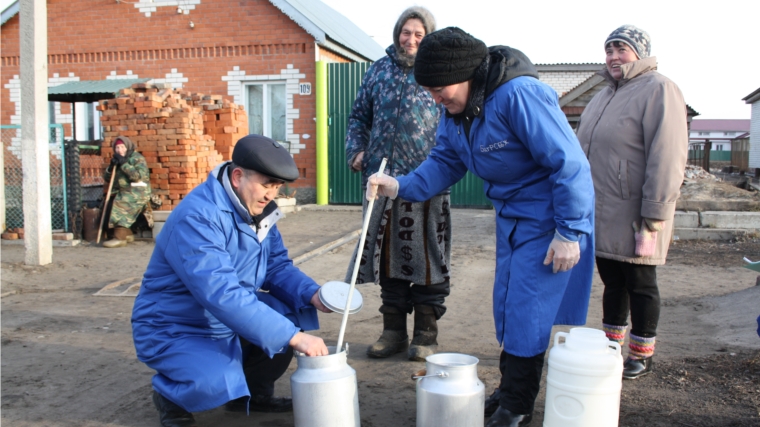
[{"x": 334, "y": 295}]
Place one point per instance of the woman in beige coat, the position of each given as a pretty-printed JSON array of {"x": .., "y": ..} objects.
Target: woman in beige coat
[{"x": 634, "y": 135}]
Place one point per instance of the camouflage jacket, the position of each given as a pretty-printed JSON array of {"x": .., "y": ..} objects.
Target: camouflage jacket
[
  {"x": 129, "y": 200},
  {"x": 392, "y": 117}
]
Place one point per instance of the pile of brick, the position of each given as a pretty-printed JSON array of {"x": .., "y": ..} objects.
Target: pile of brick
[
  {"x": 13, "y": 234},
  {"x": 182, "y": 135}
]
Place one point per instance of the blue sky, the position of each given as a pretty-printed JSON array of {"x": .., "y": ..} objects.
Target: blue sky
[{"x": 707, "y": 48}]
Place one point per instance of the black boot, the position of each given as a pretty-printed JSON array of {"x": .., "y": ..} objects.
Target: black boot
[
  {"x": 492, "y": 403},
  {"x": 394, "y": 338},
  {"x": 504, "y": 418},
  {"x": 635, "y": 368},
  {"x": 170, "y": 414},
  {"x": 424, "y": 342}
]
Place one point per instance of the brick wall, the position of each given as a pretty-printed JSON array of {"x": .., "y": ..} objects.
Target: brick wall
[{"x": 96, "y": 40}]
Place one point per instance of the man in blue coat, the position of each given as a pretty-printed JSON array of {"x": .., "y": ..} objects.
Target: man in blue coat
[
  {"x": 222, "y": 307},
  {"x": 506, "y": 127}
]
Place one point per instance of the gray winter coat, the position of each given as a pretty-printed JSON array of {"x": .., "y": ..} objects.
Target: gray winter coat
[{"x": 634, "y": 135}]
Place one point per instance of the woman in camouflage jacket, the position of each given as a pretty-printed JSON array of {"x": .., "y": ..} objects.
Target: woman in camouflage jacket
[{"x": 131, "y": 190}]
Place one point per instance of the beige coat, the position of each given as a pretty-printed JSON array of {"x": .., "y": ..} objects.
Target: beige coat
[{"x": 634, "y": 135}]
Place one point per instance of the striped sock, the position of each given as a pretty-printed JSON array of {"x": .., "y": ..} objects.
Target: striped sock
[
  {"x": 615, "y": 333},
  {"x": 640, "y": 347}
]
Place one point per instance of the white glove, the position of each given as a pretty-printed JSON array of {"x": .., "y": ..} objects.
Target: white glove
[
  {"x": 564, "y": 254},
  {"x": 381, "y": 185}
]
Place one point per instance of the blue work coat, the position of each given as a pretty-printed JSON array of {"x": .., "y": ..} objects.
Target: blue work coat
[
  {"x": 538, "y": 181},
  {"x": 212, "y": 278}
]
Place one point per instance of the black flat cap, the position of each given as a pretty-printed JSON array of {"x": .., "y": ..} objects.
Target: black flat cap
[{"x": 266, "y": 156}]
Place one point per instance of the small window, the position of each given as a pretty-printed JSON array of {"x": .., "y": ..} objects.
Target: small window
[
  {"x": 719, "y": 147},
  {"x": 703, "y": 133},
  {"x": 729, "y": 133},
  {"x": 266, "y": 110}
]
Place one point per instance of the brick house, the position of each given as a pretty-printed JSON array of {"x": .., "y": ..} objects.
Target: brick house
[{"x": 259, "y": 54}]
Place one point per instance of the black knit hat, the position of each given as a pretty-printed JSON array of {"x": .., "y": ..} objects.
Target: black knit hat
[
  {"x": 266, "y": 156},
  {"x": 448, "y": 56}
]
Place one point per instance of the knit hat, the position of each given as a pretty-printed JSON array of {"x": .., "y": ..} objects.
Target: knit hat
[
  {"x": 266, "y": 156},
  {"x": 636, "y": 38},
  {"x": 414, "y": 12},
  {"x": 448, "y": 56}
]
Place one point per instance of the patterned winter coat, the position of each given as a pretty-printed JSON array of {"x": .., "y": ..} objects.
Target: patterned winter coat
[
  {"x": 131, "y": 187},
  {"x": 392, "y": 117}
]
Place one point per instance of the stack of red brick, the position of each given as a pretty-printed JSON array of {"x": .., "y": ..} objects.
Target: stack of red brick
[{"x": 182, "y": 135}]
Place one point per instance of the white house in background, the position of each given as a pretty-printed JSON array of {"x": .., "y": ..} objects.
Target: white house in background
[
  {"x": 717, "y": 132},
  {"x": 754, "y": 131}
]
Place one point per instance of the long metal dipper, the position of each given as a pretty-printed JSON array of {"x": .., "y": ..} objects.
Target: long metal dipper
[{"x": 362, "y": 239}]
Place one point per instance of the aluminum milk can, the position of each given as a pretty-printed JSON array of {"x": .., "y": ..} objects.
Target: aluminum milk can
[
  {"x": 584, "y": 380},
  {"x": 324, "y": 389},
  {"x": 449, "y": 393}
]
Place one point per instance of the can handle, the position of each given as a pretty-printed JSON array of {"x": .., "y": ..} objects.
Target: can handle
[
  {"x": 558, "y": 335},
  {"x": 423, "y": 374},
  {"x": 614, "y": 346}
]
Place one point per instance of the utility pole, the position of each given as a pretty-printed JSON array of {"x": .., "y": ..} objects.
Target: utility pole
[{"x": 35, "y": 133}]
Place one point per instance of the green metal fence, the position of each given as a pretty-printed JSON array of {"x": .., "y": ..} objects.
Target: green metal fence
[
  {"x": 345, "y": 186},
  {"x": 14, "y": 177},
  {"x": 343, "y": 84}
]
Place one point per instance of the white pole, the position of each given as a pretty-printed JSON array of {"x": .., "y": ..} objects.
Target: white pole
[
  {"x": 362, "y": 239},
  {"x": 35, "y": 133}
]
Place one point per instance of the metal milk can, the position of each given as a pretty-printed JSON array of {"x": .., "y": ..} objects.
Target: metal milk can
[
  {"x": 324, "y": 389},
  {"x": 449, "y": 392}
]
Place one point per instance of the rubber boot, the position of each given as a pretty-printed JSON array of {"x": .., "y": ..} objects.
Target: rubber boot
[
  {"x": 424, "y": 342},
  {"x": 130, "y": 236},
  {"x": 170, "y": 414},
  {"x": 119, "y": 238},
  {"x": 394, "y": 338}
]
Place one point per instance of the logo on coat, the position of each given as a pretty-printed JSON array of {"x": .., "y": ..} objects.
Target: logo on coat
[{"x": 492, "y": 147}]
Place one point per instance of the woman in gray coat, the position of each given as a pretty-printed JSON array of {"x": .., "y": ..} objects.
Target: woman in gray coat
[{"x": 634, "y": 135}]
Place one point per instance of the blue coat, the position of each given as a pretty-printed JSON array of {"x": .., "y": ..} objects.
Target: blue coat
[
  {"x": 203, "y": 288},
  {"x": 538, "y": 181}
]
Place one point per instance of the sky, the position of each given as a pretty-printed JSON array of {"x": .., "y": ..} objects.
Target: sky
[{"x": 709, "y": 49}]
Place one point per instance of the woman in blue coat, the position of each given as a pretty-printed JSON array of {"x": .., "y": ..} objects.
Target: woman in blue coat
[{"x": 506, "y": 127}]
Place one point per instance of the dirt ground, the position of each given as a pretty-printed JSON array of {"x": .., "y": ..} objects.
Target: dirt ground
[{"x": 68, "y": 358}]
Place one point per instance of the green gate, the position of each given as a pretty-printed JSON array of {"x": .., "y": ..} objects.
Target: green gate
[
  {"x": 14, "y": 213},
  {"x": 344, "y": 185}
]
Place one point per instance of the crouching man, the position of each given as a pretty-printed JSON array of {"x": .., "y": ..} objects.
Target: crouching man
[{"x": 221, "y": 307}]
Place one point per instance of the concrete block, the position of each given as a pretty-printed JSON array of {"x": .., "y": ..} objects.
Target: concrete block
[
  {"x": 716, "y": 219},
  {"x": 161, "y": 216},
  {"x": 157, "y": 226},
  {"x": 286, "y": 204},
  {"x": 707, "y": 233},
  {"x": 686, "y": 219}
]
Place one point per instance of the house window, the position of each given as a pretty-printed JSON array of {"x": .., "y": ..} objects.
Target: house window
[
  {"x": 87, "y": 122},
  {"x": 703, "y": 133},
  {"x": 729, "y": 133},
  {"x": 266, "y": 109},
  {"x": 719, "y": 147}
]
